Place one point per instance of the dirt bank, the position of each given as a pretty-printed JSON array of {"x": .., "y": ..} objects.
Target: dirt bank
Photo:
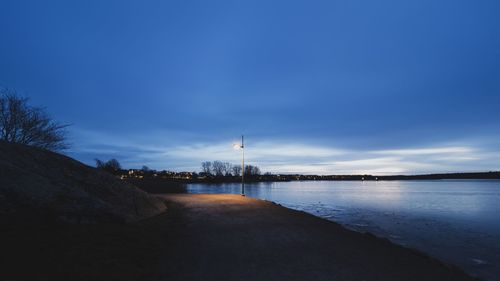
[{"x": 67, "y": 190}]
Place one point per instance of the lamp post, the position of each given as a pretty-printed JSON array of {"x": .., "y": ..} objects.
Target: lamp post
[{"x": 242, "y": 147}]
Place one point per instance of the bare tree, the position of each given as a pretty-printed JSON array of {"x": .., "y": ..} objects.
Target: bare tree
[
  {"x": 218, "y": 168},
  {"x": 111, "y": 166},
  {"x": 114, "y": 165},
  {"x": 99, "y": 164},
  {"x": 227, "y": 169},
  {"x": 236, "y": 170},
  {"x": 206, "y": 167},
  {"x": 251, "y": 170},
  {"x": 22, "y": 123},
  {"x": 256, "y": 171}
]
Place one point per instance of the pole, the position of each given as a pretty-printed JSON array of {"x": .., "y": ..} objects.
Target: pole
[{"x": 242, "y": 167}]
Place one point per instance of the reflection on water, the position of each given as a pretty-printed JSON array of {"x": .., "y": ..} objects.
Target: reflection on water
[{"x": 454, "y": 220}]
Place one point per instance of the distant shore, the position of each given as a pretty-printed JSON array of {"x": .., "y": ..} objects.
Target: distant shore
[
  {"x": 159, "y": 185},
  {"x": 139, "y": 177}
]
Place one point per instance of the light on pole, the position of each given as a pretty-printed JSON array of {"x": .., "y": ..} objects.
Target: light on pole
[{"x": 242, "y": 147}]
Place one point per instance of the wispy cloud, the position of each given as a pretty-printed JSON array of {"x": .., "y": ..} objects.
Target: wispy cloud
[
  {"x": 376, "y": 166},
  {"x": 282, "y": 156},
  {"x": 426, "y": 151},
  {"x": 257, "y": 151}
]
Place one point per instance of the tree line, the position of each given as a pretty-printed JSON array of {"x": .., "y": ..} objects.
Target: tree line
[
  {"x": 208, "y": 168},
  {"x": 225, "y": 169}
]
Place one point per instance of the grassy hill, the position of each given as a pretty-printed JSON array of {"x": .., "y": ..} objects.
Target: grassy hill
[{"x": 60, "y": 188}]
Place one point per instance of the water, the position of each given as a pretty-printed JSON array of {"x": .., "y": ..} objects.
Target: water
[{"x": 457, "y": 221}]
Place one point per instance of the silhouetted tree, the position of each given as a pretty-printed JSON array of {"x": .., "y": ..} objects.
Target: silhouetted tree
[
  {"x": 111, "y": 166},
  {"x": 145, "y": 168},
  {"x": 114, "y": 164},
  {"x": 227, "y": 169},
  {"x": 218, "y": 168},
  {"x": 99, "y": 164},
  {"x": 206, "y": 168},
  {"x": 236, "y": 170},
  {"x": 22, "y": 123},
  {"x": 251, "y": 170}
]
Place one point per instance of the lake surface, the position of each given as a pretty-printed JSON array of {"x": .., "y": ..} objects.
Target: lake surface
[{"x": 457, "y": 221}]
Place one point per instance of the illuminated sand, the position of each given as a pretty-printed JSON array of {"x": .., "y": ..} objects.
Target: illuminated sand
[{"x": 230, "y": 237}]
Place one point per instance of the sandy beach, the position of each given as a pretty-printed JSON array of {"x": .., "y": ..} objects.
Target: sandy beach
[{"x": 212, "y": 237}]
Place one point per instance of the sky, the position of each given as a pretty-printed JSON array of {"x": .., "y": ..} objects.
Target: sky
[{"x": 316, "y": 87}]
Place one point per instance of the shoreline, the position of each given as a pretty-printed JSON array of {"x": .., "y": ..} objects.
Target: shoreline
[
  {"x": 376, "y": 236},
  {"x": 187, "y": 177},
  {"x": 335, "y": 250},
  {"x": 213, "y": 237}
]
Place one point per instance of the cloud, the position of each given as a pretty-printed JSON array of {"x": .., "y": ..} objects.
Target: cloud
[
  {"x": 426, "y": 151},
  {"x": 375, "y": 166},
  {"x": 260, "y": 150},
  {"x": 432, "y": 159},
  {"x": 280, "y": 156}
]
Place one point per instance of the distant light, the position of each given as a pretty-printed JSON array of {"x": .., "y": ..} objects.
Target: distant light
[{"x": 236, "y": 146}]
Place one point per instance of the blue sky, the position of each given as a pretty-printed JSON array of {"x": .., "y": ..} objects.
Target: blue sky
[{"x": 317, "y": 87}]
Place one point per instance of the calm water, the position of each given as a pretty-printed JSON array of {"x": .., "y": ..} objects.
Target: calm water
[{"x": 457, "y": 221}]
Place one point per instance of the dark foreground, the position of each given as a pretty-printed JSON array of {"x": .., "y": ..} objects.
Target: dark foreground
[{"x": 210, "y": 237}]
